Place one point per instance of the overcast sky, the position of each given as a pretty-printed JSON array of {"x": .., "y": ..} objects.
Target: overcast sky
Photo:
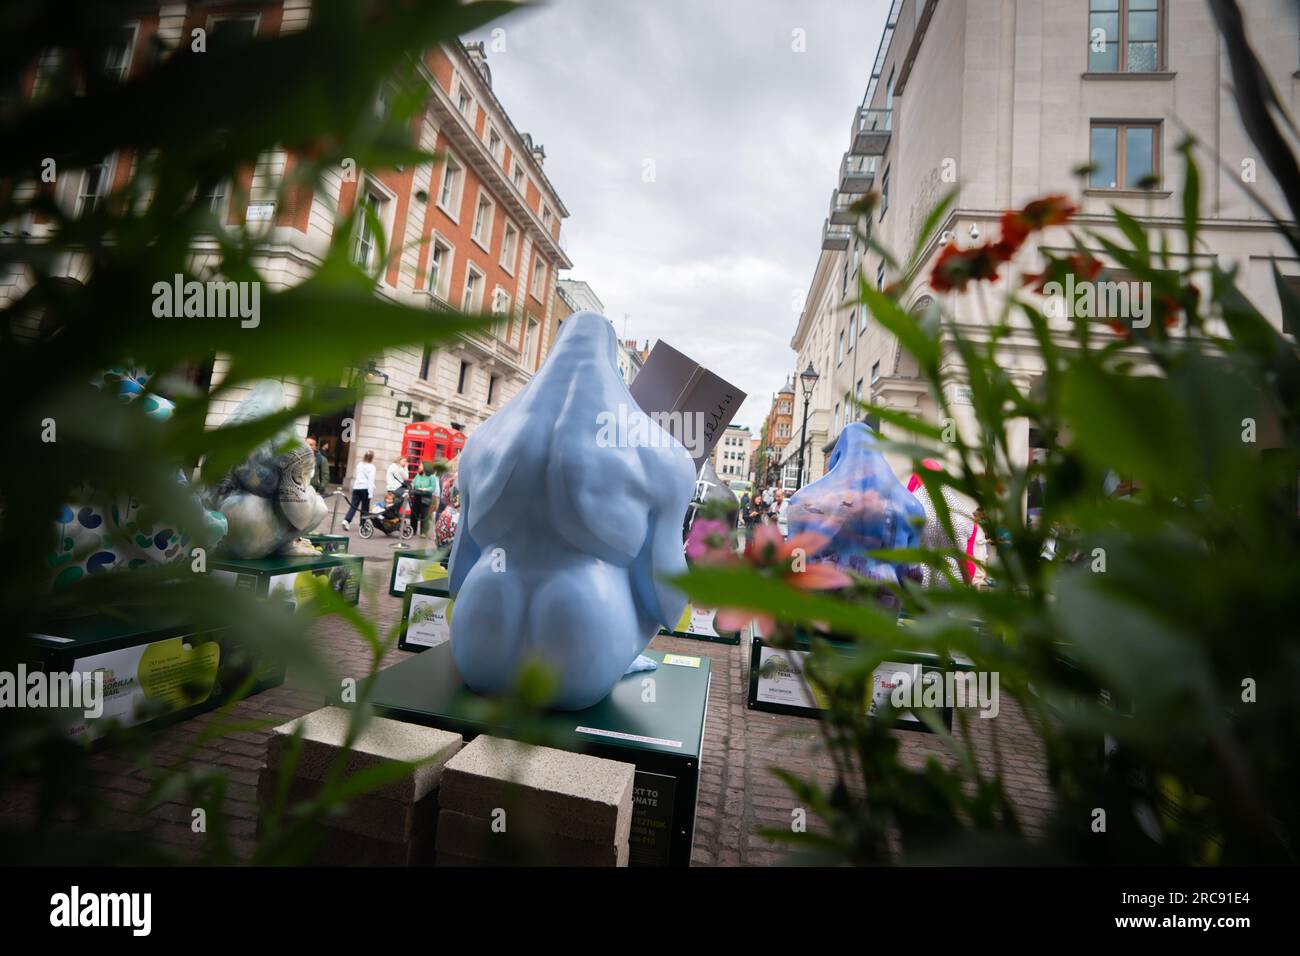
[{"x": 740, "y": 135}]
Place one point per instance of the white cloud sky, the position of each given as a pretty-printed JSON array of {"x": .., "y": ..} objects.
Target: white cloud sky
[{"x": 745, "y": 135}]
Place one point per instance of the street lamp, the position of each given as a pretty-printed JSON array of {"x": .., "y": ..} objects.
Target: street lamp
[{"x": 807, "y": 379}]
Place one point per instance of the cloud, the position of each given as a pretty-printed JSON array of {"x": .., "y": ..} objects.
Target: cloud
[{"x": 743, "y": 136}]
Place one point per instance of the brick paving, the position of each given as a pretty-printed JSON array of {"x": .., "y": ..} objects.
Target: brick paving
[{"x": 738, "y": 793}]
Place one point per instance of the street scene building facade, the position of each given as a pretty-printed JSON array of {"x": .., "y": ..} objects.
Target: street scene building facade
[
  {"x": 479, "y": 231},
  {"x": 1012, "y": 101},
  {"x": 731, "y": 457}
]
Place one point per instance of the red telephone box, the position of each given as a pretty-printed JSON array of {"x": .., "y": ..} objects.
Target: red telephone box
[{"x": 425, "y": 441}]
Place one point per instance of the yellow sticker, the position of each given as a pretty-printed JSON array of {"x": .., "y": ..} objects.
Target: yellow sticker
[{"x": 681, "y": 660}]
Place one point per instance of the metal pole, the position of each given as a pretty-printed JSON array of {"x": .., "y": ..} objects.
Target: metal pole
[{"x": 803, "y": 439}]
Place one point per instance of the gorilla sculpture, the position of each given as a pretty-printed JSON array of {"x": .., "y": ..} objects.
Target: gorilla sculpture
[
  {"x": 104, "y": 532},
  {"x": 859, "y": 506},
  {"x": 268, "y": 499},
  {"x": 572, "y": 501}
]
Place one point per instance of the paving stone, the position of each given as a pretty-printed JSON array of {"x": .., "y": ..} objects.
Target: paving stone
[
  {"x": 383, "y": 741},
  {"x": 588, "y": 798}
]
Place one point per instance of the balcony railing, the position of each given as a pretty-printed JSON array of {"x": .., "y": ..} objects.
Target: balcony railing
[
  {"x": 835, "y": 237},
  {"x": 871, "y": 132},
  {"x": 857, "y": 174},
  {"x": 842, "y": 213}
]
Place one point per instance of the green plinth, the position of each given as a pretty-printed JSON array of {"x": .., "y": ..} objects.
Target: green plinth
[
  {"x": 157, "y": 669},
  {"x": 699, "y": 625},
  {"x": 416, "y": 564},
  {"x": 285, "y": 578},
  {"x": 776, "y": 682},
  {"x": 426, "y": 615},
  {"x": 658, "y": 727},
  {"x": 329, "y": 543}
]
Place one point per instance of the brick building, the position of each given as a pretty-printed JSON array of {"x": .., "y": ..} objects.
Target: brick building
[{"x": 477, "y": 231}]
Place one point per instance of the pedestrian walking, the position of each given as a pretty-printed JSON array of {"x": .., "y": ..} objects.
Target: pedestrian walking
[
  {"x": 779, "y": 507},
  {"x": 363, "y": 486},
  {"x": 398, "y": 475},
  {"x": 424, "y": 491}
]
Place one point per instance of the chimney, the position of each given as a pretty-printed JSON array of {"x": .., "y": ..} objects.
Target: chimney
[
  {"x": 539, "y": 154},
  {"x": 477, "y": 54}
]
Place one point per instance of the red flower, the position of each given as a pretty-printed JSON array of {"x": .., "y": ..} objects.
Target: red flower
[
  {"x": 956, "y": 268},
  {"x": 1019, "y": 224}
]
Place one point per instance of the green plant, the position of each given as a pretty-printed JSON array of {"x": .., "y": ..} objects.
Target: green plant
[
  {"x": 190, "y": 121},
  {"x": 1150, "y": 639}
]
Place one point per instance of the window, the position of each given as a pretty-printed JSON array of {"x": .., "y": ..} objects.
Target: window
[
  {"x": 492, "y": 388},
  {"x": 529, "y": 340},
  {"x": 473, "y": 299},
  {"x": 462, "y": 380},
  {"x": 117, "y": 59},
  {"x": 464, "y": 102},
  {"x": 880, "y": 277},
  {"x": 519, "y": 177},
  {"x": 837, "y": 417},
  {"x": 425, "y": 361},
  {"x": 849, "y": 332},
  {"x": 228, "y": 33},
  {"x": 48, "y": 68},
  {"x": 509, "y": 240},
  {"x": 839, "y": 351},
  {"x": 500, "y": 301},
  {"x": 440, "y": 269},
  {"x": 844, "y": 280},
  {"x": 884, "y": 193},
  {"x": 365, "y": 247},
  {"x": 546, "y": 218},
  {"x": 862, "y": 320},
  {"x": 214, "y": 197},
  {"x": 495, "y": 144},
  {"x": 1124, "y": 36},
  {"x": 453, "y": 175},
  {"x": 1288, "y": 328},
  {"x": 857, "y": 391},
  {"x": 1124, "y": 155},
  {"x": 875, "y": 372},
  {"x": 92, "y": 188},
  {"x": 535, "y": 284},
  {"x": 482, "y": 231}
]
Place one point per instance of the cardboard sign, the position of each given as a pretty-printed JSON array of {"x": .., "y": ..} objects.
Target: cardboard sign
[{"x": 694, "y": 405}]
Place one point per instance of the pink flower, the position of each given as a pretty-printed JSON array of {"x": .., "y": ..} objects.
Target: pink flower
[
  {"x": 791, "y": 562},
  {"x": 709, "y": 542}
]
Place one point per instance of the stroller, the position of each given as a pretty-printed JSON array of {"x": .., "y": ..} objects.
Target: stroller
[{"x": 393, "y": 517}]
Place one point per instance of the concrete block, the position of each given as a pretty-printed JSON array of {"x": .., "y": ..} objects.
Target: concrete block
[
  {"x": 383, "y": 741},
  {"x": 473, "y": 838},
  {"x": 376, "y": 817},
  {"x": 341, "y": 848},
  {"x": 542, "y": 789}
]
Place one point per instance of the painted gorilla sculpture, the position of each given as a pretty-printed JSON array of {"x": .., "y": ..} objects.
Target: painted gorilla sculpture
[
  {"x": 859, "y": 506},
  {"x": 112, "y": 533},
  {"x": 935, "y": 538},
  {"x": 268, "y": 499},
  {"x": 571, "y": 513}
]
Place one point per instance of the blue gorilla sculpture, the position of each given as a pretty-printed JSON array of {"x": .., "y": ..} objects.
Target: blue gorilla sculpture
[
  {"x": 859, "y": 506},
  {"x": 572, "y": 501}
]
